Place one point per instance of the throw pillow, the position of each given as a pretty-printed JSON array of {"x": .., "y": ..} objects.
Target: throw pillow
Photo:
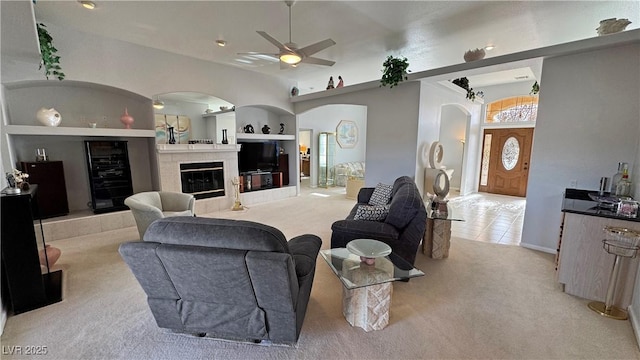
[
  {"x": 381, "y": 194},
  {"x": 372, "y": 213}
]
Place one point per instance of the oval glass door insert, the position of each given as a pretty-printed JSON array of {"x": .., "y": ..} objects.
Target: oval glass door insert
[{"x": 510, "y": 153}]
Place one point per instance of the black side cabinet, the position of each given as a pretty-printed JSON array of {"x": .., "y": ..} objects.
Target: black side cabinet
[
  {"x": 24, "y": 286},
  {"x": 52, "y": 191},
  {"x": 109, "y": 175}
]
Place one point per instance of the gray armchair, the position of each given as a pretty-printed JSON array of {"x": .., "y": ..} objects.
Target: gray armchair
[
  {"x": 228, "y": 279},
  {"x": 150, "y": 206}
]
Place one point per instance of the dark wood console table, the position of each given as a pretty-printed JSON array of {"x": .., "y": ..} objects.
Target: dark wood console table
[{"x": 24, "y": 285}]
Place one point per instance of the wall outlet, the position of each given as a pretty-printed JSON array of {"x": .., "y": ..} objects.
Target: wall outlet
[{"x": 573, "y": 184}]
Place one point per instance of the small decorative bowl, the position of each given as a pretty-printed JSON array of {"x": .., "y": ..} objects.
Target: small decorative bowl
[{"x": 473, "y": 55}]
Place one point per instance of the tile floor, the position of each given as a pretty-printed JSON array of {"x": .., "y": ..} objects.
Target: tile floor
[{"x": 487, "y": 217}]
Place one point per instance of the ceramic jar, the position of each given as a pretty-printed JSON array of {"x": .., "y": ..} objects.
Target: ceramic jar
[{"x": 48, "y": 117}]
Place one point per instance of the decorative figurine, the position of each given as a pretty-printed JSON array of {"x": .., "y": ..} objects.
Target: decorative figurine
[
  {"x": 340, "y": 82},
  {"x": 330, "y": 85},
  {"x": 237, "y": 205},
  {"x": 294, "y": 91},
  {"x": 249, "y": 129},
  {"x": 281, "y": 129},
  {"x": 266, "y": 129}
]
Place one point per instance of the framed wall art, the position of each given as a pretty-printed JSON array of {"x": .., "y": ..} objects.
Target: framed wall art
[{"x": 347, "y": 134}]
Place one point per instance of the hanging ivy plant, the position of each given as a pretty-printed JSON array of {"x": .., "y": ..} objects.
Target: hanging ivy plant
[
  {"x": 395, "y": 71},
  {"x": 50, "y": 61},
  {"x": 535, "y": 89},
  {"x": 463, "y": 82}
]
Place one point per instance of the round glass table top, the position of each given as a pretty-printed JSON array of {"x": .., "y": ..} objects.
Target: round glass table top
[{"x": 368, "y": 248}]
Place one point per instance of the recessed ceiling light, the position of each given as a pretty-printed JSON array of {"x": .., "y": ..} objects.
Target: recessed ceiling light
[
  {"x": 221, "y": 42},
  {"x": 489, "y": 47},
  {"x": 88, "y": 4}
]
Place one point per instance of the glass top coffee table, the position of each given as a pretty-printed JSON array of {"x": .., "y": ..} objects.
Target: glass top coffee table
[{"x": 366, "y": 291}]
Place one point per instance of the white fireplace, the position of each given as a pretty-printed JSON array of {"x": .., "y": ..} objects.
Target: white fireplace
[{"x": 172, "y": 156}]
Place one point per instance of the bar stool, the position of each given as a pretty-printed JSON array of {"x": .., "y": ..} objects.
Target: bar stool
[{"x": 621, "y": 242}]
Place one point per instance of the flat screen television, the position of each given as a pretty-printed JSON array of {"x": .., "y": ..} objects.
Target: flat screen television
[{"x": 258, "y": 156}]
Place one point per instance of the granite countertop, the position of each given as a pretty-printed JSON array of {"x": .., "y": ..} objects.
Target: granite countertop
[{"x": 578, "y": 202}]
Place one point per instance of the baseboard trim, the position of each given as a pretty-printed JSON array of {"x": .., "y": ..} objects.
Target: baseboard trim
[
  {"x": 635, "y": 325},
  {"x": 538, "y": 248}
]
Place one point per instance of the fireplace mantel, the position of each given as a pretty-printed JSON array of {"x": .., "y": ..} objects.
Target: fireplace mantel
[{"x": 196, "y": 148}]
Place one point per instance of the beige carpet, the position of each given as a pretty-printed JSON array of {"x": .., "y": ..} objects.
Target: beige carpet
[{"x": 486, "y": 301}]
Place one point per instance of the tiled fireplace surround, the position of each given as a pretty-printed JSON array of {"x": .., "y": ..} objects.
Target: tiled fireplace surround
[{"x": 169, "y": 159}]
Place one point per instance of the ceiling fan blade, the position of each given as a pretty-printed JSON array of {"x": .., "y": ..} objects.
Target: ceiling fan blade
[
  {"x": 275, "y": 56},
  {"x": 275, "y": 42},
  {"x": 314, "y": 48},
  {"x": 317, "y": 61}
]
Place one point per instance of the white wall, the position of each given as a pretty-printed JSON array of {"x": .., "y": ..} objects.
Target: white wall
[
  {"x": 588, "y": 121},
  {"x": 432, "y": 99},
  {"x": 453, "y": 127},
  {"x": 392, "y": 128},
  {"x": 148, "y": 71},
  {"x": 326, "y": 119}
]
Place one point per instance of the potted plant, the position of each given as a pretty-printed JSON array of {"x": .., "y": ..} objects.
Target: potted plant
[
  {"x": 50, "y": 61},
  {"x": 463, "y": 82},
  {"x": 395, "y": 71}
]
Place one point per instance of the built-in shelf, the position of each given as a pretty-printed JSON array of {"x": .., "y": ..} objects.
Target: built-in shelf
[
  {"x": 213, "y": 114},
  {"x": 192, "y": 148},
  {"x": 249, "y": 136},
  {"x": 76, "y": 131}
]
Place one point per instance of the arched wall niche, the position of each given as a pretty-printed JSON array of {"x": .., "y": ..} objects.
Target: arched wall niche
[{"x": 325, "y": 118}]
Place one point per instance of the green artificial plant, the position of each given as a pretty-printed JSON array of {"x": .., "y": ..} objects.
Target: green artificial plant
[
  {"x": 395, "y": 71},
  {"x": 463, "y": 82},
  {"x": 535, "y": 89},
  {"x": 50, "y": 61}
]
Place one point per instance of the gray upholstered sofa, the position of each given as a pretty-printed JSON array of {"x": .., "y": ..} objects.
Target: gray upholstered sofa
[
  {"x": 402, "y": 229},
  {"x": 228, "y": 279}
]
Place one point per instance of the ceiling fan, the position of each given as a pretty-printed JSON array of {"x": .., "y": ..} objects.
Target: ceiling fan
[{"x": 290, "y": 54}]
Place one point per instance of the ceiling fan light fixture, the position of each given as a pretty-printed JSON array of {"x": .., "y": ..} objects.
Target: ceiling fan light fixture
[
  {"x": 157, "y": 104},
  {"x": 88, "y": 4},
  {"x": 290, "y": 58}
]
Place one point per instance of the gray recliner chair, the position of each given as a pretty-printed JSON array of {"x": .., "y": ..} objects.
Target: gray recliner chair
[
  {"x": 228, "y": 279},
  {"x": 150, "y": 206}
]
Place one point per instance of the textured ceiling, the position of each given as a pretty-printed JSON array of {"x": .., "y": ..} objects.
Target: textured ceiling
[{"x": 430, "y": 34}]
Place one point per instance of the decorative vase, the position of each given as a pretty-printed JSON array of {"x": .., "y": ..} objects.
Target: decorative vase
[
  {"x": 612, "y": 26},
  {"x": 266, "y": 129},
  {"x": 49, "y": 255},
  {"x": 49, "y": 117},
  {"x": 473, "y": 55},
  {"x": 126, "y": 119},
  {"x": 224, "y": 136},
  {"x": 172, "y": 138},
  {"x": 281, "y": 129}
]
